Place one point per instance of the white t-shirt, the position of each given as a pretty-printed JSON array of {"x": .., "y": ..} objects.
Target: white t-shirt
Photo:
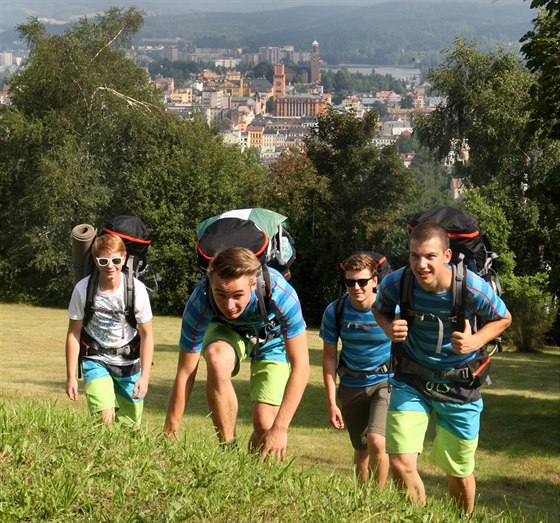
[{"x": 108, "y": 325}]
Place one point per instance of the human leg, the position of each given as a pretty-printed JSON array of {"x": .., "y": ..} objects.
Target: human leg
[
  {"x": 355, "y": 408},
  {"x": 407, "y": 420},
  {"x": 361, "y": 464},
  {"x": 405, "y": 475},
  {"x": 223, "y": 350},
  {"x": 222, "y": 400},
  {"x": 99, "y": 390},
  {"x": 378, "y": 457},
  {"x": 463, "y": 490},
  {"x": 264, "y": 415},
  {"x": 130, "y": 409},
  {"x": 454, "y": 448},
  {"x": 268, "y": 381}
]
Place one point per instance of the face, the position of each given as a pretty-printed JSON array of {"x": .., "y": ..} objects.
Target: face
[
  {"x": 232, "y": 295},
  {"x": 111, "y": 270},
  {"x": 428, "y": 261},
  {"x": 357, "y": 292}
]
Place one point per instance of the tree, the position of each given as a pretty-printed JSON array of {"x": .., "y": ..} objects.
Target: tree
[
  {"x": 543, "y": 59},
  {"x": 86, "y": 138},
  {"x": 488, "y": 114},
  {"x": 353, "y": 195}
]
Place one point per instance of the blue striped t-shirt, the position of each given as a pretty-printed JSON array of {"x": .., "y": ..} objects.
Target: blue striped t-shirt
[
  {"x": 364, "y": 344},
  {"x": 284, "y": 306},
  {"x": 421, "y": 342}
]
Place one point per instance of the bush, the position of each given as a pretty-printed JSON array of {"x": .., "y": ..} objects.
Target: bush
[{"x": 533, "y": 309}]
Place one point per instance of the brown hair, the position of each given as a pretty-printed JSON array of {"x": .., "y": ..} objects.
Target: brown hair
[
  {"x": 111, "y": 242},
  {"x": 359, "y": 262},
  {"x": 233, "y": 263},
  {"x": 425, "y": 231}
]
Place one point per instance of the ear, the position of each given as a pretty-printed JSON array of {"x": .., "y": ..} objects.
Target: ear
[{"x": 447, "y": 255}]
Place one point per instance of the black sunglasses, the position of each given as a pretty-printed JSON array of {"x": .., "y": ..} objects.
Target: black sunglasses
[{"x": 362, "y": 282}]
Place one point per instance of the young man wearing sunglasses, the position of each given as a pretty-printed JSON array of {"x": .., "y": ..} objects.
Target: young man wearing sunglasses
[
  {"x": 431, "y": 355},
  {"x": 363, "y": 368},
  {"x": 115, "y": 357}
]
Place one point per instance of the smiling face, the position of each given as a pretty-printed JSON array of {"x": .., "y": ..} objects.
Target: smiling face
[
  {"x": 361, "y": 297},
  {"x": 232, "y": 295},
  {"x": 110, "y": 273},
  {"x": 428, "y": 260}
]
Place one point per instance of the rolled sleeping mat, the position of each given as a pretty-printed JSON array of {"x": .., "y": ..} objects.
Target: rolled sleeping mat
[{"x": 82, "y": 238}]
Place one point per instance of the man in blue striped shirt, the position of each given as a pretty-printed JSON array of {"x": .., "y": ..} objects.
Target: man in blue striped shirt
[
  {"x": 363, "y": 368},
  {"x": 426, "y": 378},
  {"x": 223, "y": 320}
]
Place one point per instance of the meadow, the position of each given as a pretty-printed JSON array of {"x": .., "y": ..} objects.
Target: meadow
[{"x": 58, "y": 464}]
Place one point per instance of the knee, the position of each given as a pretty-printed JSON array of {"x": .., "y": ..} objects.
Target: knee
[
  {"x": 220, "y": 359},
  {"x": 376, "y": 444},
  {"x": 401, "y": 465}
]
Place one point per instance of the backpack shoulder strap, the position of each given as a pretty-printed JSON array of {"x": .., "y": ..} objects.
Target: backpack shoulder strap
[
  {"x": 339, "y": 312},
  {"x": 458, "y": 294},
  {"x": 406, "y": 294},
  {"x": 128, "y": 273},
  {"x": 91, "y": 291},
  {"x": 264, "y": 292}
]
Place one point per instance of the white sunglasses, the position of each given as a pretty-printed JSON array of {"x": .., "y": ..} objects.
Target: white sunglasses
[{"x": 103, "y": 262}]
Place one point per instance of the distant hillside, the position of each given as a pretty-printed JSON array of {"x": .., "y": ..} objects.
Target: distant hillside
[
  {"x": 396, "y": 32},
  {"x": 381, "y": 32}
]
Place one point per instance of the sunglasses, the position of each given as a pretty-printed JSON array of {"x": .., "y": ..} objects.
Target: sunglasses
[
  {"x": 362, "y": 282},
  {"x": 103, "y": 262}
]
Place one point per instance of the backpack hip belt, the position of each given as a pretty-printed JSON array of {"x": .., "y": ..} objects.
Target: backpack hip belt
[
  {"x": 90, "y": 347},
  {"x": 474, "y": 372},
  {"x": 343, "y": 370}
]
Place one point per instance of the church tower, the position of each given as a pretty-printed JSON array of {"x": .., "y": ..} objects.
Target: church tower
[{"x": 315, "y": 59}]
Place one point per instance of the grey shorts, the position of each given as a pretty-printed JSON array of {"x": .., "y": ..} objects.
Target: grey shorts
[{"x": 364, "y": 410}]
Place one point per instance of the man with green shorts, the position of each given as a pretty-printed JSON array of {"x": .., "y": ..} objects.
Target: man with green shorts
[
  {"x": 223, "y": 320},
  {"x": 431, "y": 357}
]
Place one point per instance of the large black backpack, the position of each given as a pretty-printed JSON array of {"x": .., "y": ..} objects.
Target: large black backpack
[
  {"x": 137, "y": 239},
  {"x": 471, "y": 249},
  {"x": 264, "y": 232},
  {"x": 382, "y": 267}
]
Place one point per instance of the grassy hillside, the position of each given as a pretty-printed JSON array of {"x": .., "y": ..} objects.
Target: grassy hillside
[{"x": 56, "y": 464}]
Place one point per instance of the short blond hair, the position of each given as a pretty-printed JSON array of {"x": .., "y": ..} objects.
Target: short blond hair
[
  {"x": 233, "y": 263},
  {"x": 111, "y": 242}
]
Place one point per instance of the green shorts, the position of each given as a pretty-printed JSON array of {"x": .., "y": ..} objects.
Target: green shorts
[
  {"x": 106, "y": 391},
  {"x": 268, "y": 377},
  {"x": 456, "y": 436},
  {"x": 405, "y": 435}
]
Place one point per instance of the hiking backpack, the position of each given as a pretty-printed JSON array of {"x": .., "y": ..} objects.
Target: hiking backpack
[
  {"x": 264, "y": 232},
  {"x": 137, "y": 240},
  {"x": 382, "y": 268},
  {"x": 471, "y": 249}
]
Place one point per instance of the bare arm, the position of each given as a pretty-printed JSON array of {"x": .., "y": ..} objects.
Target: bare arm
[
  {"x": 181, "y": 392},
  {"x": 72, "y": 354},
  {"x": 329, "y": 379},
  {"x": 393, "y": 326},
  {"x": 275, "y": 440},
  {"x": 146, "y": 359},
  {"x": 467, "y": 341}
]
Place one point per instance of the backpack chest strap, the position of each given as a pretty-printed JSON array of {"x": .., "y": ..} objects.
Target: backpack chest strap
[{"x": 422, "y": 316}]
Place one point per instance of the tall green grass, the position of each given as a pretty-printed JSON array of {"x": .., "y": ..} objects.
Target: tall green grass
[{"x": 58, "y": 464}]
